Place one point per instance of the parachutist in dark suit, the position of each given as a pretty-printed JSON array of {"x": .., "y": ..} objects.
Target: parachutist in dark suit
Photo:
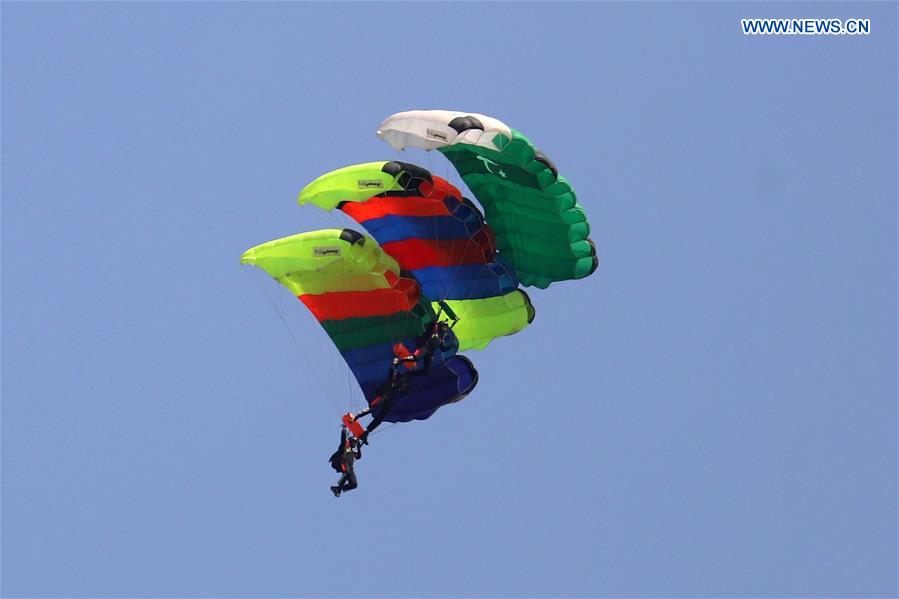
[
  {"x": 349, "y": 450},
  {"x": 438, "y": 337},
  {"x": 383, "y": 403}
]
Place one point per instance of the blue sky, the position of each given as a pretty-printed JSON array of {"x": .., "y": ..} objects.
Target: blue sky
[{"x": 713, "y": 413}]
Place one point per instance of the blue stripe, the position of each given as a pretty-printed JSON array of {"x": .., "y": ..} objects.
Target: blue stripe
[
  {"x": 371, "y": 365},
  {"x": 468, "y": 281},
  {"x": 397, "y": 228}
]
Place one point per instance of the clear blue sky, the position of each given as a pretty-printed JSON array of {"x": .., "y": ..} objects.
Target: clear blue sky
[{"x": 713, "y": 413}]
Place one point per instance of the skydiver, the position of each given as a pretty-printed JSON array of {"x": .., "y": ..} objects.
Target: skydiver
[
  {"x": 436, "y": 337},
  {"x": 349, "y": 450},
  {"x": 384, "y": 402},
  {"x": 439, "y": 338},
  {"x": 419, "y": 361},
  {"x": 403, "y": 358}
]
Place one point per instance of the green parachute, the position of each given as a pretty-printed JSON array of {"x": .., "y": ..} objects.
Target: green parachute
[{"x": 539, "y": 225}]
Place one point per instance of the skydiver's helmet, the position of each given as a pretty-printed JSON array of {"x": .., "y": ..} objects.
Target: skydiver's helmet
[{"x": 442, "y": 329}]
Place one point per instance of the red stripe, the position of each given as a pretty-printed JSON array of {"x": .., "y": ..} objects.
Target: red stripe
[
  {"x": 428, "y": 203},
  {"x": 421, "y": 253},
  {"x": 440, "y": 189},
  {"x": 388, "y": 206},
  {"x": 338, "y": 305}
]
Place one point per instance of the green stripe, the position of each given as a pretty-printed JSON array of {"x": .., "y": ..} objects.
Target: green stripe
[{"x": 353, "y": 333}]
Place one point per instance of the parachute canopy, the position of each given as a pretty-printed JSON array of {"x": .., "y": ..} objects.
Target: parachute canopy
[
  {"x": 438, "y": 236},
  {"x": 540, "y": 228},
  {"x": 365, "y": 304}
]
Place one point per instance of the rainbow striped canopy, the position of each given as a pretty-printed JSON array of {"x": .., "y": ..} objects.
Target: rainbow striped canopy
[
  {"x": 438, "y": 237},
  {"x": 365, "y": 304}
]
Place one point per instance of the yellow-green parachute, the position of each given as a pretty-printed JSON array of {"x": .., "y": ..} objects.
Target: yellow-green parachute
[
  {"x": 361, "y": 298},
  {"x": 438, "y": 237},
  {"x": 540, "y": 227}
]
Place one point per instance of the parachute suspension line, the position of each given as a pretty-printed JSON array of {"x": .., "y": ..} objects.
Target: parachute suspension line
[
  {"x": 471, "y": 242},
  {"x": 455, "y": 178},
  {"x": 341, "y": 219},
  {"x": 317, "y": 350},
  {"x": 430, "y": 159},
  {"x": 398, "y": 154},
  {"x": 444, "y": 307},
  {"x": 327, "y": 362},
  {"x": 302, "y": 326},
  {"x": 383, "y": 428},
  {"x": 436, "y": 232},
  {"x": 344, "y": 380},
  {"x": 344, "y": 375},
  {"x": 290, "y": 332}
]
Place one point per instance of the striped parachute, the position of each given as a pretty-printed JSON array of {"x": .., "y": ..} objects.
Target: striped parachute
[
  {"x": 438, "y": 236},
  {"x": 540, "y": 228},
  {"x": 366, "y": 305}
]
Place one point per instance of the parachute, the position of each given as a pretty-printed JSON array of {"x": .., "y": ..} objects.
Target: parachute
[
  {"x": 540, "y": 228},
  {"x": 367, "y": 305},
  {"x": 439, "y": 237},
  {"x": 430, "y": 255}
]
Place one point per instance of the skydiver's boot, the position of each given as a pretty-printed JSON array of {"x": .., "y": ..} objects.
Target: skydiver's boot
[{"x": 336, "y": 490}]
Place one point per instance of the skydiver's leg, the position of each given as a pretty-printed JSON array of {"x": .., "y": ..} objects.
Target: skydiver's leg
[
  {"x": 372, "y": 426},
  {"x": 386, "y": 406},
  {"x": 375, "y": 422},
  {"x": 350, "y": 481}
]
